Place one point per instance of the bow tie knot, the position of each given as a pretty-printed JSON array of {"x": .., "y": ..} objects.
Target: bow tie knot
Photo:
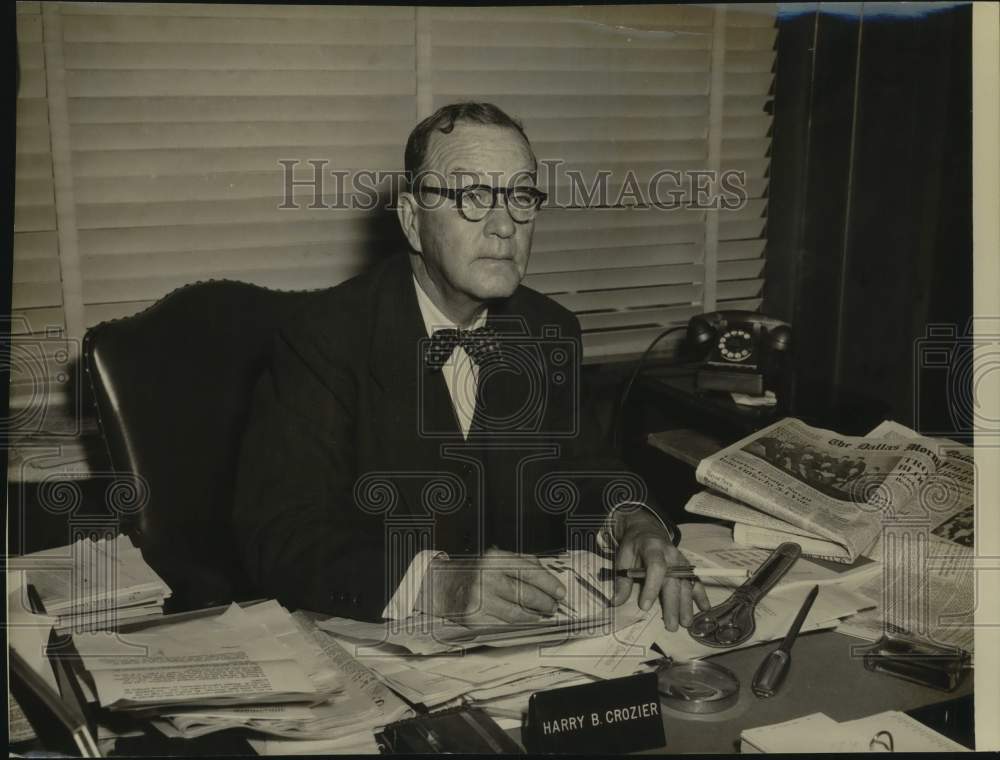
[{"x": 481, "y": 344}]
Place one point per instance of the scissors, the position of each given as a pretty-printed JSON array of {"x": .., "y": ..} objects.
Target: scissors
[{"x": 732, "y": 622}]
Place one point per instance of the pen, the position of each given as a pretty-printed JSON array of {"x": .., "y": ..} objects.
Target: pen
[
  {"x": 67, "y": 712},
  {"x": 70, "y": 709},
  {"x": 678, "y": 571},
  {"x": 772, "y": 671},
  {"x": 595, "y": 591}
]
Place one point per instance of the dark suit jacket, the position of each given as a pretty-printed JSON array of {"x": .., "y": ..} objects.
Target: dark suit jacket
[{"x": 353, "y": 459}]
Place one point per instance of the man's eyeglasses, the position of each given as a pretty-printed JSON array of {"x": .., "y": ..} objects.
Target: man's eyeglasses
[{"x": 476, "y": 201}]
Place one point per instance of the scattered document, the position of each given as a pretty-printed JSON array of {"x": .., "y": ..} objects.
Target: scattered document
[
  {"x": 712, "y": 545},
  {"x": 585, "y": 613},
  {"x": 257, "y": 668},
  {"x": 223, "y": 660},
  {"x": 361, "y": 743},
  {"x": 890, "y": 731},
  {"x": 499, "y": 669},
  {"x": 101, "y": 584}
]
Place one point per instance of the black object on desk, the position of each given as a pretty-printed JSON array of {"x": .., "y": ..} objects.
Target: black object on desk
[
  {"x": 608, "y": 717},
  {"x": 773, "y": 669},
  {"x": 466, "y": 731},
  {"x": 742, "y": 351},
  {"x": 674, "y": 388},
  {"x": 55, "y": 716},
  {"x": 712, "y": 411},
  {"x": 913, "y": 659}
]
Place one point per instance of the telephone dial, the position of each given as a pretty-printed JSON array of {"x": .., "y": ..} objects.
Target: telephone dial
[{"x": 741, "y": 351}]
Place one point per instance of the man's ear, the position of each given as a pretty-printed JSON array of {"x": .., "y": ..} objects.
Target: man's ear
[{"x": 406, "y": 210}]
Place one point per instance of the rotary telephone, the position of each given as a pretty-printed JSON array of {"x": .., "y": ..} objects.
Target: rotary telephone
[{"x": 741, "y": 351}]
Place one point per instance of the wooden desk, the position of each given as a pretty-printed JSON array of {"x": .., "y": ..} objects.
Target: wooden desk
[{"x": 827, "y": 676}]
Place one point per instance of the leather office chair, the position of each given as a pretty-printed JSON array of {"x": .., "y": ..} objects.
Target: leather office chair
[{"x": 172, "y": 387}]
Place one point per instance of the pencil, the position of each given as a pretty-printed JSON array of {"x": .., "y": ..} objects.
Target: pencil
[{"x": 678, "y": 571}]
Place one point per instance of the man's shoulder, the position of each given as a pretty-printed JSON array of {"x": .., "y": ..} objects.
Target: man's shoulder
[
  {"x": 542, "y": 310},
  {"x": 340, "y": 319}
]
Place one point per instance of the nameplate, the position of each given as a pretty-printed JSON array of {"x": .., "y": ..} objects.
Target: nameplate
[{"x": 608, "y": 717}]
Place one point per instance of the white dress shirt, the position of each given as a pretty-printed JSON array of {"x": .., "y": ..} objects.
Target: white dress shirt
[{"x": 461, "y": 375}]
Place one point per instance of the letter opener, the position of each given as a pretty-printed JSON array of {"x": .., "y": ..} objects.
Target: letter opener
[{"x": 772, "y": 671}]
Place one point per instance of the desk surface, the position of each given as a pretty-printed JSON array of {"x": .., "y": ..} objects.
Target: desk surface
[{"x": 827, "y": 676}]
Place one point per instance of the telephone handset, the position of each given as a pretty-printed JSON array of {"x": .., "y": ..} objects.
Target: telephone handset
[{"x": 741, "y": 350}]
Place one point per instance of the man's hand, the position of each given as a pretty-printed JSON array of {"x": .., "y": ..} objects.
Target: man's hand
[
  {"x": 499, "y": 587},
  {"x": 643, "y": 543}
]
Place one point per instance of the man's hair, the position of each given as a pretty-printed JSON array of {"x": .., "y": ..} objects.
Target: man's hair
[{"x": 444, "y": 120}]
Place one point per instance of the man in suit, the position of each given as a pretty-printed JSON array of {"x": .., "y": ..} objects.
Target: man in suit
[{"x": 420, "y": 434}]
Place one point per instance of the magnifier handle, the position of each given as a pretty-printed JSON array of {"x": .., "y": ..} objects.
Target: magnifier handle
[{"x": 771, "y": 571}]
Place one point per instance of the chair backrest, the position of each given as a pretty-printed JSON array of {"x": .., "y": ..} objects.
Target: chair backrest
[{"x": 172, "y": 387}]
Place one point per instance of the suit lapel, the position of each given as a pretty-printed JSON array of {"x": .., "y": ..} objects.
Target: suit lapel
[
  {"x": 504, "y": 389},
  {"x": 413, "y": 401}
]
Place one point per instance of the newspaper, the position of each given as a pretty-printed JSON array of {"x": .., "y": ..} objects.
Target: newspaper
[
  {"x": 901, "y": 499},
  {"x": 927, "y": 584},
  {"x": 837, "y": 488}
]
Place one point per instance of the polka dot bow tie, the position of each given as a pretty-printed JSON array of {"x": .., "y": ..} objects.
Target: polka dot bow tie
[{"x": 480, "y": 344}]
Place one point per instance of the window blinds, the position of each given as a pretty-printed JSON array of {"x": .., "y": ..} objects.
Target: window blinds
[
  {"x": 624, "y": 89},
  {"x": 38, "y": 356},
  {"x": 175, "y": 117}
]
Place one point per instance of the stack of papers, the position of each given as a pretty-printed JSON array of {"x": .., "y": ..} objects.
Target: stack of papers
[
  {"x": 584, "y": 613},
  {"x": 258, "y": 668},
  {"x": 890, "y": 731},
  {"x": 98, "y": 584},
  {"x": 436, "y": 664},
  {"x": 708, "y": 545}
]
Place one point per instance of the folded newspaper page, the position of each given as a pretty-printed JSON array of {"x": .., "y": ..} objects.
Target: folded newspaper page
[
  {"x": 927, "y": 586},
  {"x": 751, "y": 527},
  {"x": 901, "y": 499},
  {"x": 833, "y": 487}
]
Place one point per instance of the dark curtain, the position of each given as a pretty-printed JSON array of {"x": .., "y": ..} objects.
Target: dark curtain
[{"x": 870, "y": 220}]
